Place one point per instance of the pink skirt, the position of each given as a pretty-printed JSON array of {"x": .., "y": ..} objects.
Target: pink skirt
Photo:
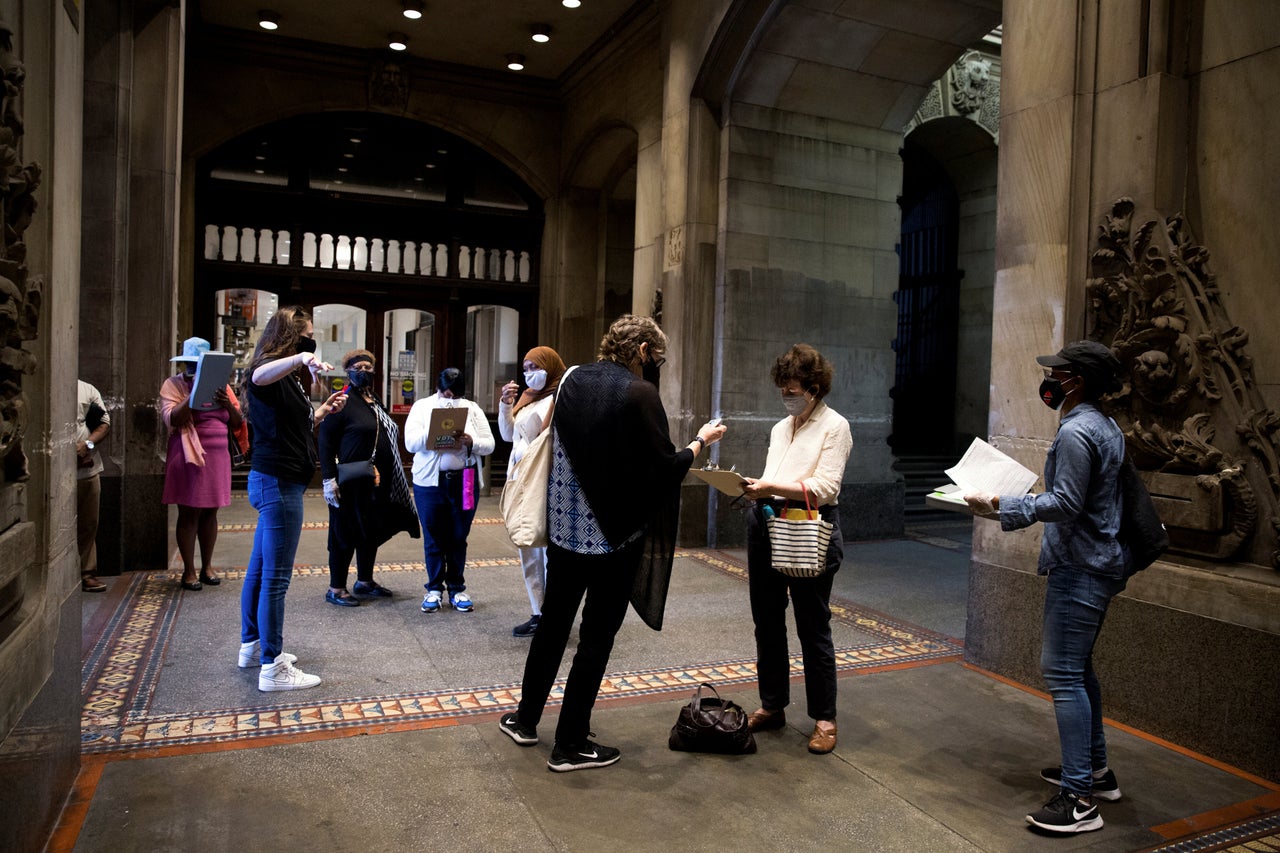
[{"x": 192, "y": 485}]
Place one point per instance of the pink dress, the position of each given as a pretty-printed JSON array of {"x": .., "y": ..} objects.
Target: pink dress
[{"x": 193, "y": 485}]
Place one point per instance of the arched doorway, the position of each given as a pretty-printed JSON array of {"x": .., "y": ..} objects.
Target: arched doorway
[{"x": 390, "y": 231}]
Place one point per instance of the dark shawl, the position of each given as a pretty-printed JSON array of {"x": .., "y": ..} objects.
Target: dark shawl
[{"x": 613, "y": 428}]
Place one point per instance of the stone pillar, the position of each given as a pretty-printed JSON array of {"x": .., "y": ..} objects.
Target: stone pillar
[
  {"x": 132, "y": 195},
  {"x": 39, "y": 559}
]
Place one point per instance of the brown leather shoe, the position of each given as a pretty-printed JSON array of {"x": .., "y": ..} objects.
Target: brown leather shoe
[
  {"x": 762, "y": 720},
  {"x": 89, "y": 583},
  {"x": 823, "y": 739}
]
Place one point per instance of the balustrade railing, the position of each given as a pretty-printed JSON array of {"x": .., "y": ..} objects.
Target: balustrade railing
[{"x": 326, "y": 251}]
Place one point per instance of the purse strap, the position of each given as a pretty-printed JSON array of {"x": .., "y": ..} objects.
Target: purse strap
[
  {"x": 695, "y": 704},
  {"x": 808, "y": 510},
  {"x": 377, "y": 431}
]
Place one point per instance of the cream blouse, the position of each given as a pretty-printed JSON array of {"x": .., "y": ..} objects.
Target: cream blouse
[{"x": 814, "y": 455}]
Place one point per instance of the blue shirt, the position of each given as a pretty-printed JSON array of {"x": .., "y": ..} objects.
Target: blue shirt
[{"x": 1080, "y": 506}]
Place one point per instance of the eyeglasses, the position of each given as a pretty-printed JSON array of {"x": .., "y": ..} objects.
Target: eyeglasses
[{"x": 658, "y": 362}]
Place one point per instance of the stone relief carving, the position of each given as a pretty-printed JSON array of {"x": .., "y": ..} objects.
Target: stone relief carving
[
  {"x": 20, "y": 296},
  {"x": 969, "y": 78},
  {"x": 388, "y": 85},
  {"x": 970, "y": 89},
  {"x": 1192, "y": 415},
  {"x": 675, "y": 247}
]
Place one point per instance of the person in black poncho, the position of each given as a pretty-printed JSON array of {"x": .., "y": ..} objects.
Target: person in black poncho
[{"x": 612, "y": 506}]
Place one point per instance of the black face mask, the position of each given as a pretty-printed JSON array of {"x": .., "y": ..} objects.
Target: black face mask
[
  {"x": 1052, "y": 393},
  {"x": 306, "y": 344},
  {"x": 360, "y": 378},
  {"x": 649, "y": 371}
]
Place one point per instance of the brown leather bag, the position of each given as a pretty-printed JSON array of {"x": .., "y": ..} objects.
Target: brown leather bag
[{"x": 712, "y": 724}]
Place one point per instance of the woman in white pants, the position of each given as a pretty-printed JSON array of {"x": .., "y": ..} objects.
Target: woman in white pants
[{"x": 520, "y": 420}]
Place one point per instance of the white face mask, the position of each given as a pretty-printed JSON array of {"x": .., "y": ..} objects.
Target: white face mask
[
  {"x": 535, "y": 379},
  {"x": 796, "y": 405}
]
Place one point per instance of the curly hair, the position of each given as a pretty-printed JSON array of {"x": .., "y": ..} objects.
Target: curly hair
[
  {"x": 622, "y": 342},
  {"x": 807, "y": 366},
  {"x": 280, "y": 336}
]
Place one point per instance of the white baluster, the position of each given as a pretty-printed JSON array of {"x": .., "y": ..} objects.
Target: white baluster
[
  {"x": 509, "y": 265},
  {"x": 410, "y": 257},
  {"x": 441, "y": 266},
  {"x": 342, "y": 252},
  {"x": 524, "y": 267},
  {"x": 393, "y": 256},
  {"x": 464, "y": 262},
  {"x": 360, "y": 256},
  {"x": 211, "y": 242},
  {"x": 309, "y": 249},
  {"x": 248, "y": 245},
  {"x": 377, "y": 255},
  {"x": 326, "y": 251},
  {"x": 266, "y": 254},
  {"x": 230, "y": 242},
  {"x": 282, "y": 247}
]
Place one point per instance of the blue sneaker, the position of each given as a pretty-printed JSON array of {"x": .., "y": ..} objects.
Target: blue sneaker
[
  {"x": 461, "y": 602},
  {"x": 431, "y": 601}
]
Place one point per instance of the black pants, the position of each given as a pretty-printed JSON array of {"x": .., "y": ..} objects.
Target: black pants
[
  {"x": 811, "y": 598},
  {"x": 605, "y": 580},
  {"x": 340, "y": 563}
]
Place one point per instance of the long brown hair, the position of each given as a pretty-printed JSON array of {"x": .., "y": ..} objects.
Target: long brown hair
[{"x": 280, "y": 337}]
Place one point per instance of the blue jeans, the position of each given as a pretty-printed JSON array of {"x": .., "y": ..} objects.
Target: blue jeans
[
  {"x": 1075, "y": 604},
  {"x": 445, "y": 527},
  {"x": 275, "y": 544}
]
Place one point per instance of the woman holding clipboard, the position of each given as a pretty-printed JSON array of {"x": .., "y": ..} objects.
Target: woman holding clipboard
[{"x": 197, "y": 471}]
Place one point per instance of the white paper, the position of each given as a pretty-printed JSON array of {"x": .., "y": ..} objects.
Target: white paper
[{"x": 985, "y": 469}]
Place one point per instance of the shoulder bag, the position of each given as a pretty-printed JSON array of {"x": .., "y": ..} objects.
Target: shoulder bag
[
  {"x": 711, "y": 724},
  {"x": 523, "y": 503},
  {"x": 799, "y": 540},
  {"x": 365, "y": 469},
  {"x": 1141, "y": 530}
]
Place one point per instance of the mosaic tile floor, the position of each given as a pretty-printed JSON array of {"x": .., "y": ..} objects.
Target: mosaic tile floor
[{"x": 121, "y": 670}]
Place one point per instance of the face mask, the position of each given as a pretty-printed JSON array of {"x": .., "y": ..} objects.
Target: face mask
[
  {"x": 535, "y": 379},
  {"x": 649, "y": 371},
  {"x": 306, "y": 344},
  {"x": 1052, "y": 393},
  {"x": 189, "y": 370},
  {"x": 360, "y": 378},
  {"x": 796, "y": 405}
]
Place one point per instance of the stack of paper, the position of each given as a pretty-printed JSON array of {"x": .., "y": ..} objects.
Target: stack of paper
[{"x": 981, "y": 469}]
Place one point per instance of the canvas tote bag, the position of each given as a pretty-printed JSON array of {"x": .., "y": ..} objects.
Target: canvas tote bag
[
  {"x": 799, "y": 540},
  {"x": 523, "y": 503}
]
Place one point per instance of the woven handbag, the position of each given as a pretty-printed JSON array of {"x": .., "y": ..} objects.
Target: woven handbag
[{"x": 799, "y": 539}]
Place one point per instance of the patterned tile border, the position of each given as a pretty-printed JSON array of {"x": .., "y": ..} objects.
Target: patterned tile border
[
  {"x": 120, "y": 672},
  {"x": 244, "y": 527},
  {"x": 1252, "y": 836}
]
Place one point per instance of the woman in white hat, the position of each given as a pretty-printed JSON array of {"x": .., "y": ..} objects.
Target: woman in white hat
[{"x": 197, "y": 472}]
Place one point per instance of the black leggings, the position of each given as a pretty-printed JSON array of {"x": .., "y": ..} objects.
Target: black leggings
[{"x": 340, "y": 563}]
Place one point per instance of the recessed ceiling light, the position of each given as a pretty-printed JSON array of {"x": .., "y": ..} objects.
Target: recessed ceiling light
[
  {"x": 268, "y": 20},
  {"x": 337, "y": 181},
  {"x": 412, "y": 9},
  {"x": 342, "y": 169},
  {"x": 431, "y": 165},
  {"x": 349, "y": 156},
  {"x": 515, "y": 61},
  {"x": 442, "y": 150},
  {"x": 397, "y": 41},
  {"x": 419, "y": 180},
  {"x": 259, "y": 156},
  {"x": 541, "y": 33},
  {"x": 259, "y": 172},
  {"x": 356, "y": 140},
  {"x": 571, "y": 4}
]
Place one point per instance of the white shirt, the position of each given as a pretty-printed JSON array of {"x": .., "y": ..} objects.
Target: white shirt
[
  {"x": 523, "y": 428},
  {"x": 86, "y": 394},
  {"x": 427, "y": 464},
  {"x": 814, "y": 455}
]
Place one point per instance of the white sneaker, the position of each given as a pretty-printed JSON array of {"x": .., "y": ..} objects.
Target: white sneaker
[
  {"x": 283, "y": 675},
  {"x": 251, "y": 655}
]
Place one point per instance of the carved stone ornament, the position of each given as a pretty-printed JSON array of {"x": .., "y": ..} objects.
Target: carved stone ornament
[
  {"x": 969, "y": 78},
  {"x": 388, "y": 85},
  {"x": 1194, "y": 420},
  {"x": 675, "y": 247},
  {"x": 20, "y": 296}
]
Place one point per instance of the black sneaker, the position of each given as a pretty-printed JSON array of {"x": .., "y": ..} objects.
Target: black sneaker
[
  {"x": 1104, "y": 788},
  {"x": 511, "y": 727},
  {"x": 526, "y": 629},
  {"x": 582, "y": 757},
  {"x": 1065, "y": 813}
]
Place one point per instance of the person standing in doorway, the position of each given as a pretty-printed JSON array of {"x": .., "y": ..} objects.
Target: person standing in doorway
[
  {"x": 1087, "y": 567},
  {"x": 92, "y": 425}
]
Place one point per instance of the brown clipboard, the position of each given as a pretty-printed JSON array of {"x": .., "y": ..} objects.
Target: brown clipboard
[{"x": 446, "y": 428}]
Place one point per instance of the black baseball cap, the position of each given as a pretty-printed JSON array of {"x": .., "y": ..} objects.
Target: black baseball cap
[{"x": 1092, "y": 360}]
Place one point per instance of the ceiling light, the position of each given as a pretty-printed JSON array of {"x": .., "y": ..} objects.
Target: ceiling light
[
  {"x": 260, "y": 156},
  {"x": 349, "y": 156},
  {"x": 259, "y": 171},
  {"x": 541, "y": 33},
  {"x": 342, "y": 168},
  {"x": 442, "y": 150},
  {"x": 268, "y": 20},
  {"x": 571, "y": 4},
  {"x": 412, "y": 9},
  {"x": 397, "y": 41},
  {"x": 431, "y": 165},
  {"x": 356, "y": 140},
  {"x": 337, "y": 182},
  {"x": 515, "y": 61}
]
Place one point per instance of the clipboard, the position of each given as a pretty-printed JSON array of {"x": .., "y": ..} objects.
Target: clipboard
[
  {"x": 727, "y": 482},
  {"x": 446, "y": 428},
  {"x": 212, "y": 372}
]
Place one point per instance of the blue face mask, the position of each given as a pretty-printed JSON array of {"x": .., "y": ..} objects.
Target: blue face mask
[{"x": 360, "y": 378}]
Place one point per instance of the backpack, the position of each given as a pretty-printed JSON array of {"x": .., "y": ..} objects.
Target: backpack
[{"x": 1141, "y": 530}]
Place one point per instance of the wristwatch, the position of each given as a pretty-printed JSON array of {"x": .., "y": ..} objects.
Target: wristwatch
[{"x": 88, "y": 443}]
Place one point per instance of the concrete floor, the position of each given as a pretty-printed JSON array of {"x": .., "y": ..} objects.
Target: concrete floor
[{"x": 932, "y": 756}]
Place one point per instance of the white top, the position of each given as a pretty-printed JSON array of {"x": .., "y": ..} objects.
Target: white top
[
  {"x": 523, "y": 428},
  {"x": 814, "y": 455},
  {"x": 427, "y": 464},
  {"x": 85, "y": 395}
]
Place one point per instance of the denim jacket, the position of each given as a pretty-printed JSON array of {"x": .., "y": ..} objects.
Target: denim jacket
[{"x": 1080, "y": 506}]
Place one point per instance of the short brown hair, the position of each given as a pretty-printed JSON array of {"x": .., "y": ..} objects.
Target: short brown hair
[
  {"x": 622, "y": 342},
  {"x": 807, "y": 366}
]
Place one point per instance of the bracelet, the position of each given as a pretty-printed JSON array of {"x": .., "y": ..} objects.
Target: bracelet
[{"x": 701, "y": 441}]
